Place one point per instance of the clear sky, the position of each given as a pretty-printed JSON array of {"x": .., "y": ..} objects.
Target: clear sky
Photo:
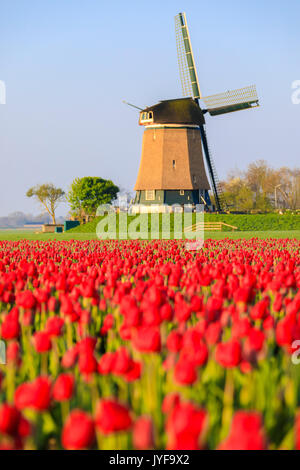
[{"x": 68, "y": 64}]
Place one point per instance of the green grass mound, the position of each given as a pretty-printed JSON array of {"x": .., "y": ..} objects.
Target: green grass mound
[
  {"x": 257, "y": 221},
  {"x": 243, "y": 222}
]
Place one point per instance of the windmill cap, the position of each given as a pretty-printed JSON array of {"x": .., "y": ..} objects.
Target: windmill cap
[{"x": 177, "y": 111}]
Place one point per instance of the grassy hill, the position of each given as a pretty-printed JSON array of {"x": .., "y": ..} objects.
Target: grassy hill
[{"x": 243, "y": 222}]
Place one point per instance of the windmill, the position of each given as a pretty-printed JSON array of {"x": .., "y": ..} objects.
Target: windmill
[{"x": 172, "y": 168}]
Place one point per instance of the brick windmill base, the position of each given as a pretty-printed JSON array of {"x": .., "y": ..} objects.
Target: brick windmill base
[{"x": 172, "y": 169}]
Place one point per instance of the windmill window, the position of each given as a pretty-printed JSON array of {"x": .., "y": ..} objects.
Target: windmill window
[
  {"x": 181, "y": 192},
  {"x": 174, "y": 164},
  {"x": 194, "y": 179},
  {"x": 150, "y": 195},
  {"x": 146, "y": 117}
]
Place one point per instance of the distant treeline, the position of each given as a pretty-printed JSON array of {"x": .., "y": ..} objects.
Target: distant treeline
[
  {"x": 262, "y": 188},
  {"x": 18, "y": 219}
]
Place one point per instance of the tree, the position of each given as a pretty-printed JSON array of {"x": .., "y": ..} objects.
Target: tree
[
  {"x": 49, "y": 196},
  {"x": 261, "y": 180},
  {"x": 288, "y": 193},
  {"x": 86, "y": 194},
  {"x": 263, "y": 188},
  {"x": 238, "y": 194}
]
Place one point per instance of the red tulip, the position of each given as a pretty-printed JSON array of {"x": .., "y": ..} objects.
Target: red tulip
[
  {"x": 134, "y": 372},
  {"x": 185, "y": 372},
  {"x": 54, "y": 326},
  {"x": 174, "y": 341},
  {"x": 23, "y": 396},
  {"x": 147, "y": 339},
  {"x": 26, "y": 299},
  {"x": 64, "y": 387},
  {"x": 185, "y": 426},
  {"x": 35, "y": 395},
  {"x": 41, "y": 342},
  {"x": 87, "y": 363},
  {"x": 9, "y": 419},
  {"x": 143, "y": 438},
  {"x": 122, "y": 361},
  {"x": 259, "y": 310},
  {"x": 41, "y": 396},
  {"x": 228, "y": 354},
  {"x": 78, "y": 431},
  {"x": 297, "y": 431},
  {"x": 70, "y": 357},
  {"x": 10, "y": 328},
  {"x": 246, "y": 432},
  {"x": 13, "y": 352},
  {"x": 111, "y": 416},
  {"x": 170, "y": 401}
]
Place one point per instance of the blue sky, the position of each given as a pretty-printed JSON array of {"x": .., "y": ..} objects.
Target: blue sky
[{"x": 68, "y": 65}]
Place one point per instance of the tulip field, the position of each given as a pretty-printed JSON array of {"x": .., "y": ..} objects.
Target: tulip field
[{"x": 146, "y": 345}]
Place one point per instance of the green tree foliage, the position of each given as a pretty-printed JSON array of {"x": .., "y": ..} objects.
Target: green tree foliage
[
  {"x": 262, "y": 188},
  {"x": 49, "y": 197},
  {"x": 238, "y": 194},
  {"x": 87, "y": 193}
]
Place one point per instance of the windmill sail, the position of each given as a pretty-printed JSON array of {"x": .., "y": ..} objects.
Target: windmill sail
[
  {"x": 190, "y": 87},
  {"x": 187, "y": 69},
  {"x": 231, "y": 101}
]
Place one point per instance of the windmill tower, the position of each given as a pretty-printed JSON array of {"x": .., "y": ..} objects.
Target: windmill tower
[{"x": 172, "y": 169}]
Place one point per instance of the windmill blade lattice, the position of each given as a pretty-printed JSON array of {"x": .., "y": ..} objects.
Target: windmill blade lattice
[
  {"x": 234, "y": 100},
  {"x": 187, "y": 70}
]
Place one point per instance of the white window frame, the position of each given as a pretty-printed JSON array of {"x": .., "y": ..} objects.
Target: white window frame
[
  {"x": 146, "y": 117},
  {"x": 150, "y": 194}
]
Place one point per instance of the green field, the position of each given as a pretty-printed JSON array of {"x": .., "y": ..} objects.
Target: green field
[
  {"x": 269, "y": 225},
  {"x": 20, "y": 235},
  {"x": 248, "y": 226},
  {"x": 243, "y": 222}
]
